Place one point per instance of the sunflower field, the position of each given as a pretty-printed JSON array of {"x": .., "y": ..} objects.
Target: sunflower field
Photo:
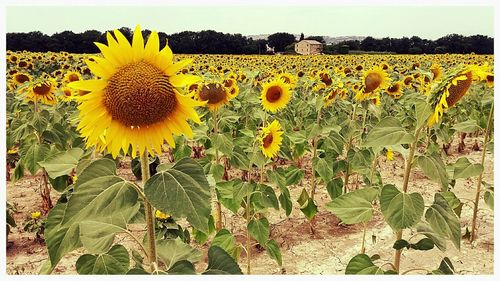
[{"x": 139, "y": 161}]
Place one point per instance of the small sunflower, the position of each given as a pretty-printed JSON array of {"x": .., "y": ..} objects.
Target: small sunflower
[
  {"x": 375, "y": 79},
  {"x": 43, "y": 92},
  {"x": 275, "y": 95},
  {"x": 270, "y": 139},
  {"x": 215, "y": 95},
  {"x": 67, "y": 94},
  {"x": 288, "y": 78},
  {"x": 72, "y": 76},
  {"x": 19, "y": 78},
  {"x": 135, "y": 101},
  {"x": 395, "y": 90}
]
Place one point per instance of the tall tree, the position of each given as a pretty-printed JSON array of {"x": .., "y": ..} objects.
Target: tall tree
[{"x": 280, "y": 40}]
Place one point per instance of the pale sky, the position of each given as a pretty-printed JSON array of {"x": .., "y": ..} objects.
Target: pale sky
[{"x": 430, "y": 22}]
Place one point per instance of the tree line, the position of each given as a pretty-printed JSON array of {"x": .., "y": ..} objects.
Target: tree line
[
  {"x": 212, "y": 42},
  {"x": 452, "y": 43}
]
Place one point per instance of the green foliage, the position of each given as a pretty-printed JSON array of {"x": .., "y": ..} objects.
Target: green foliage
[
  {"x": 181, "y": 191},
  {"x": 400, "y": 210},
  {"x": 354, "y": 207}
]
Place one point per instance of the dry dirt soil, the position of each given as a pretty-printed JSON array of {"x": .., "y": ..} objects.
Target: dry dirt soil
[{"x": 327, "y": 251}]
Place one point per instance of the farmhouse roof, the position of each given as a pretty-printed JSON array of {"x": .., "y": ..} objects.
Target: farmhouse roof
[{"x": 312, "y": 42}]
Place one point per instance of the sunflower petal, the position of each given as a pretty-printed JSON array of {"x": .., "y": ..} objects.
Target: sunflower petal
[
  {"x": 88, "y": 85},
  {"x": 183, "y": 80},
  {"x": 174, "y": 68}
]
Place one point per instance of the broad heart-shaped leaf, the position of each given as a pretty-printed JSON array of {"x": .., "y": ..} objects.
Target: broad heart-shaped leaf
[
  {"x": 423, "y": 111},
  {"x": 259, "y": 229},
  {"x": 273, "y": 250},
  {"x": 223, "y": 143},
  {"x": 469, "y": 126},
  {"x": 465, "y": 169},
  {"x": 239, "y": 159},
  {"x": 105, "y": 198},
  {"x": 388, "y": 132},
  {"x": 225, "y": 191},
  {"x": 306, "y": 205},
  {"x": 285, "y": 201},
  {"x": 334, "y": 188},
  {"x": 226, "y": 241},
  {"x": 445, "y": 267},
  {"x": 453, "y": 202},
  {"x": 434, "y": 168},
  {"x": 97, "y": 237},
  {"x": 354, "y": 207},
  {"x": 181, "y": 268},
  {"x": 425, "y": 229},
  {"x": 220, "y": 262},
  {"x": 34, "y": 154},
  {"x": 243, "y": 190},
  {"x": 443, "y": 220},
  {"x": 182, "y": 191},
  {"x": 362, "y": 264},
  {"x": 115, "y": 261},
  {"x": 99, "y": 168},
  {"x": 400, "y": 210},
  {"x": 323, "y": 168},
  {"x": 263, "y": 198},
  {"x": 293, "y": 175},
  {"x": 488, "y": 198},
  {"x": 171, "y": 251},
  {"x": 62, "y": 163}
]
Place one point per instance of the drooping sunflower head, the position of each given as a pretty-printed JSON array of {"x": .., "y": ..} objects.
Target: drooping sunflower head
[
  {"x": 43, "y": 92},
  {"x": 270, "y": 139},
  {"x": 288, "y": 78},
  {"x": 275, "y": 95},
  {"x": 215, "y": 94},
  {"x": 232, "y": 86},
  {"x": 395, "y": 90},
  {"x": 325, "y": 77},
  {"x": 331, "y": 96},
  {"x": 374, "y": 80},
  {"x": 136, "y": 100},
  {"x": 450, "y": 90},
  {"x": 489, "y": 80}
]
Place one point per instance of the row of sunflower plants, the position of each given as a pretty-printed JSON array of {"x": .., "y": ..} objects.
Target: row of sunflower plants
[
  {"x": 431, "y": 225},
  {"x": 101, "y": 205}
]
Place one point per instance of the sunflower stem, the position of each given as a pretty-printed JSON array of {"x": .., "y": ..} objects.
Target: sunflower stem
[
  {"x": 399, "y": 234},
  {"x": 150, "y": 219},
  {"x": 363, "y": 249},
  {"x": 315, "y": 154},
  {"x": 480, "y": 178},
  {"x": 347, "y": 170},
  {"x": 248, "y": 246},
  {"x": 216, "y": 204}
]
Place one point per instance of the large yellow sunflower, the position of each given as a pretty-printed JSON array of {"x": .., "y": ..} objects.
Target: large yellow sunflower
[
  {"x": 275, "y": 95},
  {"x": 135, "y": 101},
  {"x": 270, "y": 139}
]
